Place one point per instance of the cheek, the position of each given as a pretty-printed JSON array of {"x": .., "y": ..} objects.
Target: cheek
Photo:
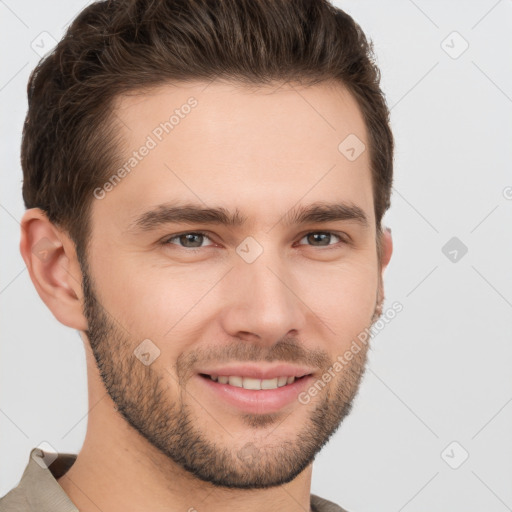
[
  {"x": 141, "y": 302},
  {"x": 163, "y": 304},
  {"x": 344, "y": 296}
]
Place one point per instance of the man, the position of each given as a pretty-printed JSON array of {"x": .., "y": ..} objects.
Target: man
[{"x": 256, "y": 132}]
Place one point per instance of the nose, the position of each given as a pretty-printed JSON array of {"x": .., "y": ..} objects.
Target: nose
[{"x": 264, "y": 300}]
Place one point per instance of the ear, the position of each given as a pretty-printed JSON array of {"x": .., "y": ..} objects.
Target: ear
[
  {"x": 386, "y": 243},
  {"x": 387, "y": 249},
  {"x": 50, "y": 257}
]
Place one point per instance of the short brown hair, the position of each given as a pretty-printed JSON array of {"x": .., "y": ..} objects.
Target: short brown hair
[{"x": 69, "y": 138}]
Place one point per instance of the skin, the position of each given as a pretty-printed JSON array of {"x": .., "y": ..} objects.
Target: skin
[{"x": 156, "y": 440}]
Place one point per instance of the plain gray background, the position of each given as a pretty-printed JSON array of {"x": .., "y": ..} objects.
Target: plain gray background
[{"x": 439, "y": 383}]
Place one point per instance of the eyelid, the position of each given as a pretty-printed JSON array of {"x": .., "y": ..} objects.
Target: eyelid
[
  {"x": 166, "y": 240},
  {"x": 345, "y": 239}
]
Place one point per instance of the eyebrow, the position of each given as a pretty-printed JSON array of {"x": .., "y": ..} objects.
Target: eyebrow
[{"x": 190, "y": 213}]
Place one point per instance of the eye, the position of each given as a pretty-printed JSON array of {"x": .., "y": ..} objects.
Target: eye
[
  {"x": 191, "y": 240},
  {"x": 322, "y": 237}
]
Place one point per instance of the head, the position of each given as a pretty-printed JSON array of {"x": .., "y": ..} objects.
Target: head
[{"x": 153, "y": 121}]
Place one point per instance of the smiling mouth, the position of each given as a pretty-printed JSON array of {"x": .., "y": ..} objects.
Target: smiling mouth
[{"x": 251, "y": 383}]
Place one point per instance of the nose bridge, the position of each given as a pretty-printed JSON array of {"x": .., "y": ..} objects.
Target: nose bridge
[{"x": 264, "y": 301}]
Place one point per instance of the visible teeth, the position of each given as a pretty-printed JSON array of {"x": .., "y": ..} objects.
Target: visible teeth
[
  {"x": 254, "y": 384},
  {"x": 249, "y": 383},
  {"x": 236, "y": 381},
  {"x": 281, "y": 381},
  {"x": 269, "y": 383}
]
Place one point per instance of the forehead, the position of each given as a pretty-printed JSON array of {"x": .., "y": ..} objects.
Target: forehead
[{"x": 261, "y": 150}]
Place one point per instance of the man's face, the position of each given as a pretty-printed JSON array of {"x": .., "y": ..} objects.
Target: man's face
[{"x": 166, "y": 313}]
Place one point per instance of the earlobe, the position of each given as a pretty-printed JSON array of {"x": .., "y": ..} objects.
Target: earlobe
[{"x": 53, "y": 267}]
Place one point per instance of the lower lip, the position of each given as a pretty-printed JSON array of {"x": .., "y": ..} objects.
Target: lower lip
[{"x": 255, "y": 401}]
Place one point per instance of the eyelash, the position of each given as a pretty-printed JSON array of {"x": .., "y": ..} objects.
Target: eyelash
[{"x": 167, "y": 241}]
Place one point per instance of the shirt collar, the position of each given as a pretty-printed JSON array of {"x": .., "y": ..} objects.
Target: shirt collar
[
  {"x": 41, "y": 491},
  {"x": 39, "y": 483}
]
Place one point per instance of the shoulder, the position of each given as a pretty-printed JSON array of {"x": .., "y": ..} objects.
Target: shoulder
[
  {"x": 38, "y": 488},
  {"x": 322, "y": 505},
  {"x": 14, "y": 501}
]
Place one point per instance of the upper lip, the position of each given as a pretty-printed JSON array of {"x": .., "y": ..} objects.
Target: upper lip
[{"x": 258, "y": 371}]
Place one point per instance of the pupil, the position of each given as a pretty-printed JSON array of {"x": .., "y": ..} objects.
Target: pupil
[
  {"x": 190, "y": 239},
  {"x": 315, "y": 235}
]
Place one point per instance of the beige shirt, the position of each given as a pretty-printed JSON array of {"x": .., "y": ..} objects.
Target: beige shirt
[{"x": 39, "y": 491}]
